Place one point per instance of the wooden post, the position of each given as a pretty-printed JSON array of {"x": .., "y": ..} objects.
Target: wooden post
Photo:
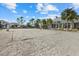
[{"x": 12, "y": 36}]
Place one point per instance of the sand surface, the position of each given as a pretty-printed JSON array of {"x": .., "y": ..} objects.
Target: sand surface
[{"x": 36, "y": 42}]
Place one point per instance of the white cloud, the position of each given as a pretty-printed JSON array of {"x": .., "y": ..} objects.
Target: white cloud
[
  {"x": 52, "y": 8},
  {"x": 33, "y": 16},
  {"x": 24, "y": 11},
  {"x": 44, "y": 12},
  {"x": 75, "y": 5},
  {"x": 52, "y": 16},
  {"x": 10, "y": 5},
  {"x": 44, "y": 8},
  {"x": 39, "y": 6},
  {"x": 14, "y": 11}
]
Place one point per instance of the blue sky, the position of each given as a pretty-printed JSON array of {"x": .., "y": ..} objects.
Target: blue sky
[{"x": 10, "y": 11}]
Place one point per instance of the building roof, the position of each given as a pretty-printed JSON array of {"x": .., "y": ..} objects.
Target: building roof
[
  {"x": 59, "y": 20},
  {"x": 3, "y": 22}
]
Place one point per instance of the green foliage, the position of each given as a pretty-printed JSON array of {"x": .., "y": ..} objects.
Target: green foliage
[
  {"x": 36, "y": 25},
  {"x": 44, "y": 23},
  {"x": 69, "y": 14},
  {"x": 28, "y": 25},
  {"x": 20, "y": 21},
  {"x": 49, "y": 21},
  {"x": 32, "y": 22},
  {"x": 37, "y": 22},
  {"x": 14, "y": 26}
]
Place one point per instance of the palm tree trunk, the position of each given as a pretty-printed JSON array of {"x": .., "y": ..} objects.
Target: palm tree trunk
[
  {"x": 67, "y": 26},
  {"x": 72, "y": 25},
  {"x": 62, "y": 26}
]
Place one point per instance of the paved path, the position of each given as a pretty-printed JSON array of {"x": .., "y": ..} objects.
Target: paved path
[{"x": 36, "y": 42}]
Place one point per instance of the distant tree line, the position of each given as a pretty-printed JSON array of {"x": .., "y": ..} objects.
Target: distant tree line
[
  {"x": 40, "y": 23},
  {"x": 68, "y": 14}
]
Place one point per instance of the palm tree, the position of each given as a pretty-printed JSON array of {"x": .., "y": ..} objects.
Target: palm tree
[
  {"x": 69, "y": 15},
  {"x": 37, "y": 23},
  {"x": 49, "y": 22},
  {"x": 44, "y": 23},
  {"x": 32, "y": 22},
  {"x": 28, "y": 25},
  {"x": 20, "y": 21}
]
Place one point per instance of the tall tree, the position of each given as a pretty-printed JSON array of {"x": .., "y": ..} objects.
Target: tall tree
[
  {"x": 32, "y": 22},
  {"x": 69, "y": 14},
  {"x": 38, "y": 23},
  {"x": 49, "y": 22},
  {"x": 20, "y": 21},
  {"x": 44, "y": 22},
  {"x": 28, "y": 25}
]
